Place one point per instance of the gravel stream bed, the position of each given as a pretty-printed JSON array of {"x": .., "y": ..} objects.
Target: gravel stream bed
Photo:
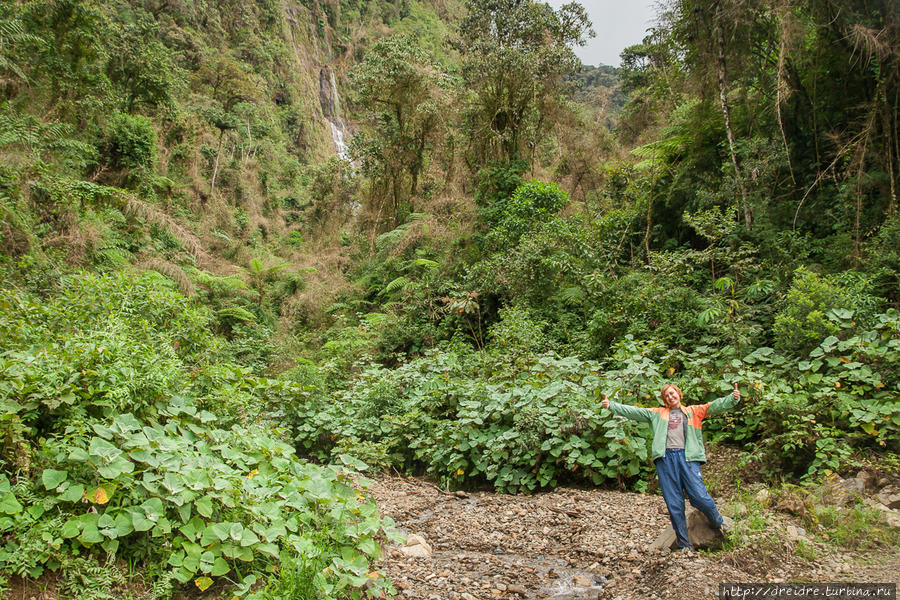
[{"x": 573, "y": 544}]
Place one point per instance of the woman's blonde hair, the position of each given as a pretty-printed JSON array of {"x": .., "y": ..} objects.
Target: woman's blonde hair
[{"x": 668, "y": 386}]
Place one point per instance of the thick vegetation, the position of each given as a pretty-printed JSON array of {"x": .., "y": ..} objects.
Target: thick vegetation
[{"x": 209, "y": 323}]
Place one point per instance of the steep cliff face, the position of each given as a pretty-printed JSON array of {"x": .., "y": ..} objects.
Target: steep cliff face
[{"x": 314, "y": 78}]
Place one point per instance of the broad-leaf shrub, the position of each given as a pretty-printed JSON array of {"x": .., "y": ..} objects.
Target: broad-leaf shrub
[
  {"x": 194, "y": 501},
  {"x": 809, "y": 416},
  {"x": 533, "y": 421},
  {"x": 812, "y": 302},
  {"x": 127, "y": 433},
  {"x": 531, "y": 203},
  {"x": 451, "y": 414}
]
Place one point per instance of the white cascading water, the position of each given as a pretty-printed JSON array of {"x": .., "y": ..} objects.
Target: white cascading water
[{"x": 337, "y": 125}]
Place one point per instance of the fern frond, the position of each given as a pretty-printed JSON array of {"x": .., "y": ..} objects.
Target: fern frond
[
  {"x": 570, "y": 295},
  {"x": 397, "y": 284},
  {"x": 237, "y": 313},
  {"x": 424, "y": 262},
  {"x": 218, "y": 283},
  {"x": 390, "y": 239}
]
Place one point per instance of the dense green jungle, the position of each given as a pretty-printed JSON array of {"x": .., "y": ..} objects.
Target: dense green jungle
[{"x": 254, "y": 252}]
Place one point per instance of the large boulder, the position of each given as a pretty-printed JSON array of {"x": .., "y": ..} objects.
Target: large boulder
[
  {"x": 700, "y": 532},
  {"x": 841, "y": 492}
]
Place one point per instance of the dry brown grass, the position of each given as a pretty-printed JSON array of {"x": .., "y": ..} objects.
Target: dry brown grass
[
  {"x": 151, "y": 214},
  {"x": 325, "y": 265},
  {"x": 172, "y": 271},
  {"x": 77, "y": 238}
]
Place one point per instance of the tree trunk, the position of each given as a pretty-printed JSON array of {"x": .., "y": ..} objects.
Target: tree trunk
[
  {"x": 649, "y": 223},
  {"x": 743, "y": 205},
  {"x": 212, "y": 185}
]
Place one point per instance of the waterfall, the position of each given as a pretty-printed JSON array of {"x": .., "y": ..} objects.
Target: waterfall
[{"x": 331, "y": 108}]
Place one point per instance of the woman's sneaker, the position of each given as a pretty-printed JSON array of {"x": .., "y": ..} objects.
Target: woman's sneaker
[{"x": 726, "y": 525}]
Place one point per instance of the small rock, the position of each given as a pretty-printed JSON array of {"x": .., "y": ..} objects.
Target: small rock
[
  {"x": 516, "y": 589},
  {"x": 582, "y": 581},
  {"x": 867, "y": 479},
  {"x": 763, "y": 498},
  {"x": 700, "y": 532},
  {"x": 467, "y": 596},
  {"x": 416, "y": 547},
  {"x": 890, "y": 498}
]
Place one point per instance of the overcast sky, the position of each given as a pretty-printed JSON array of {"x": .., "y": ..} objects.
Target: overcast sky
[{"x": 618, "y": 23}]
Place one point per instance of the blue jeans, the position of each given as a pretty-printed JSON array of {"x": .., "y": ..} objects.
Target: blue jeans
[{"x": 676, "y": 474}]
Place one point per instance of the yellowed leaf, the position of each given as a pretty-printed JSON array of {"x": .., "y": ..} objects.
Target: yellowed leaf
[
  {"x": 203, "y": 583},
  {"x": 98, "y": 496}
]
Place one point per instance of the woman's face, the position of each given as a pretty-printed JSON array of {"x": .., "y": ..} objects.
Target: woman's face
[{"x": 672, "y": 398}]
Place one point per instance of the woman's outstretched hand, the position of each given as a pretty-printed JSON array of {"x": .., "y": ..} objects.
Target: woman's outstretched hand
[
  {"x": 737, "y": 392},
  {"x": 605, "y": 402}
]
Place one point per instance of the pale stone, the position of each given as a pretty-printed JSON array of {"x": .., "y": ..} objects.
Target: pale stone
[
  {"x": 416, "y": 547},
  {"x": 700, "y": 532},
  {"x": 582, "y": 581}
]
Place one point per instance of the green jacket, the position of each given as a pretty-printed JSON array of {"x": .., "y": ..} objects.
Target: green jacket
[{"x": 659, "y": 421}]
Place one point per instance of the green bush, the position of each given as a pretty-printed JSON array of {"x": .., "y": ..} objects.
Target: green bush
[
  {"x": 132, "y": 142},
  {"x": 465, "y": 418},
  {"x": 814, "y": 307},
  {"x": 190, "y": 501},
  {"x": 531, "y": 203},
  {"x": 128, "y": 434}
]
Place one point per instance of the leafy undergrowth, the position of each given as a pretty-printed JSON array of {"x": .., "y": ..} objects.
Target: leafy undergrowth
[
  {"x": 522, "y": 420},
  {"x": 113, "y": 453},
  {"x": 793, "y": 525}
]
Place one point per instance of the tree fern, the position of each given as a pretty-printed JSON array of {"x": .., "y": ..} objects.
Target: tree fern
[
  {"x": 236, "y": 313},
  {"x": 390, "y": 239},
  {"x": 12, "y": 33},
  {"x": 573, "y": 294},
  {"x": 424, "y": 262}
]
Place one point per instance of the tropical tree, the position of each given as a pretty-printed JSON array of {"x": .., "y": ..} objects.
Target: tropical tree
[
  {"x": 516, "y": 55},
  {"x": 403, "y": 95}
]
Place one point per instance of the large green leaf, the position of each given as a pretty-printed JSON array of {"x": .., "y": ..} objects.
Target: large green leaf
[
  {"x": 221, "y": 530},
  {"x": 73, "y": 493},
  {"x": 9, "y": 505},
  {"x": 204, "y": 506},
  {"x": 90, "y": 535},
  {"x": 52, "y": 478},
  {"x": 139, "y": 520},
  {"x": 153, "y": 508},
  {"x": 71, "y": 528},
  {"x": 103, "y": 449},
  {"x": 117, "y": 466},
  {"x": 248, "y": 538},
  {"x": 220, "y": 567}
]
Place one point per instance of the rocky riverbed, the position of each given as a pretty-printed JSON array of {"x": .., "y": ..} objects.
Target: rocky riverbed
[{"x": 589, "y": 544}]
